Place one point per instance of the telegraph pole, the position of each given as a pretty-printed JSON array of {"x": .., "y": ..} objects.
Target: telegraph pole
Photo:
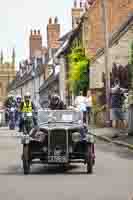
[{"x": 106, "y": 57}]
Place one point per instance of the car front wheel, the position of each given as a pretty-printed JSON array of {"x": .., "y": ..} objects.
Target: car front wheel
[
  {"x": 26, "y": 163},
  {"x": 90, "y": 160}
]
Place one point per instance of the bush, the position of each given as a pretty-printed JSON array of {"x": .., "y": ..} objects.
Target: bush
[{"x": 79, "y": 70}]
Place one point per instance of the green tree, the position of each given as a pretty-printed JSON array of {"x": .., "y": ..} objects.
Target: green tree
[{"x": 79, "y": 70}]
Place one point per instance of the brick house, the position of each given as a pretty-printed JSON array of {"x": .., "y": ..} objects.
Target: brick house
[
  {"x": 117, "y": 11},
  {"x": 120, "y": 33}
]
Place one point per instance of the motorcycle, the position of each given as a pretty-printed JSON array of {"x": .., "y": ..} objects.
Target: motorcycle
[
  {"x": 28, "y": 122},
  {"x": 27, "y": 126},
  {"x": 12, "y": 118},
  {"x": 7, "y": 116}
]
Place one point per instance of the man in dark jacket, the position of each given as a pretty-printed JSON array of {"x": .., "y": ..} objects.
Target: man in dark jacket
[
  {"x": 117, "y": 100},
  {"x": 56, "y": 103}
]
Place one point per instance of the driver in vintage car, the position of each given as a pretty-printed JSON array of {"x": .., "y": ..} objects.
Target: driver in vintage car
[{"x": 56, "y": 103}]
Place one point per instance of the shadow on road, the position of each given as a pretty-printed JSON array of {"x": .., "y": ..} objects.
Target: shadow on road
[{"x": 46, "y": 170}]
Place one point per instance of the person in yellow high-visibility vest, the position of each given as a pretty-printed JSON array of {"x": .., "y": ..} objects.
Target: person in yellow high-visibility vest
[{"x": 27, "y": 106}]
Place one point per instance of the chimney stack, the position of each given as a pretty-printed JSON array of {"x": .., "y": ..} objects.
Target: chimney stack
[
  {"x": 77, "y": 12},
  {"x": 53, "y": 34},
  {"x": 35, "y": 43}
]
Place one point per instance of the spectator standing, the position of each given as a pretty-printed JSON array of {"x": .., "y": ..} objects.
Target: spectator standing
[
  {"x": 81, "y": 104},
  {"x": 89, "y": 104},
  {"x": 117, "y": 100},
  {"x": 125, "y": 110}
]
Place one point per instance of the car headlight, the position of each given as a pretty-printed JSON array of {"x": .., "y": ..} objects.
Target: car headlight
[
  {"x": 90, "y": 138},
  {"x": 45, "y": 149},
  {"x": 76, "y": 137},
  {"x": 25, "y": 139}
]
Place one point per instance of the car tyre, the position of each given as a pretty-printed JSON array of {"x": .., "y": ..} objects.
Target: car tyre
[
  {"x": 26, "y": 163},
  {"x": 26, "y": 167},
  {"x": 90, "y": 161},
  {"x": 89, "y": 168}
]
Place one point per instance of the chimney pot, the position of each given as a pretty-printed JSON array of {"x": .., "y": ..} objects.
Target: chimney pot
[
  {"x": 80, "y": 4},
  {"x": 56, "y": 20},
  {"x": 75, "y": 4},
  {"x": 35, "y": 32},
  {"x": 50, "y": 20},
  {"x": 38, "y": 32}
]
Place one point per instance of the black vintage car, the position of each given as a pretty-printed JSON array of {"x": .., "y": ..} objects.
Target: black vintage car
[{"x": 58, "y": 140}]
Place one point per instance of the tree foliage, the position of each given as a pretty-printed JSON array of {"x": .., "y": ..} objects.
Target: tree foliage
[{"x": 79, "y": 70}]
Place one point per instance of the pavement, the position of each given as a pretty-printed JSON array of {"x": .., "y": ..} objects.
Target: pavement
[
  {"x": 107, "y": 134},
  {"x": 111, "y": 179}
]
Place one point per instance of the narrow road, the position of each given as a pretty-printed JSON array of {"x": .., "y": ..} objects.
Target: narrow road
[{"x": 112, "y": 178}]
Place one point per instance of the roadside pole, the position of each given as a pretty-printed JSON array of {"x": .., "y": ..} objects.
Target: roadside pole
[
  {"x": 62, "y": 80},
  {"x": 106, "y": 57},
  {"x": 34, "y": 84}
]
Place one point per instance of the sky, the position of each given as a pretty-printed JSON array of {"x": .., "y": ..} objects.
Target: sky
[{"x": 18, "y": 17}]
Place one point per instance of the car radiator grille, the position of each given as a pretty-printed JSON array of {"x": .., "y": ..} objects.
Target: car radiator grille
[{"x": 58, "y": 142}]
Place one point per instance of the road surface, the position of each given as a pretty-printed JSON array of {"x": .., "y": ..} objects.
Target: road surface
[{"x": 112, "y": 178}]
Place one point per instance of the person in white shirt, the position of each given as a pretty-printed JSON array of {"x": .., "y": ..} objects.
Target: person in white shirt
[
  {"x": 81, "y": 104},
  {"x": 89, "y": 104}
]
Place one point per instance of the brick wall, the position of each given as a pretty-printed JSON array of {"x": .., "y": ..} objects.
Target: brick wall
[
  {"x": 118, "y": 11},
  {"x": 95, "y": 27}
]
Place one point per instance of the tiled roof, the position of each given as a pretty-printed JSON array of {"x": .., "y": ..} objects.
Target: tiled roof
[{"x": 26, "y": 77}]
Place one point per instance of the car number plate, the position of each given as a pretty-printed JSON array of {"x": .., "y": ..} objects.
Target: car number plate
[
  {"x": 57, "y": 159},
  {"x": 29, "y": 114}
]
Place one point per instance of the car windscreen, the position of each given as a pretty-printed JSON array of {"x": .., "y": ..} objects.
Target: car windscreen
[{"x": 63, "y": 116}]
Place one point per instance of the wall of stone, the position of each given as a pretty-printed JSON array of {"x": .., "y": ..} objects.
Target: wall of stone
[{"x": 118, "y": 54}]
